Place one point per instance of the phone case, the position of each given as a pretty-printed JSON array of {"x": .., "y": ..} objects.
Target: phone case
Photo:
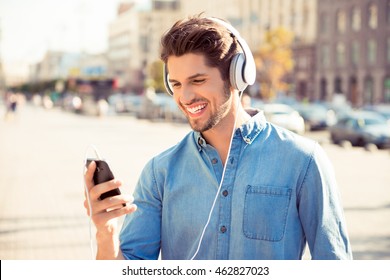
[{"x": 103, "y": 174}]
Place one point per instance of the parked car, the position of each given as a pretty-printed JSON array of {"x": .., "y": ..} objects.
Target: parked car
[
  {"x": 125, "y": 102},
  {"x": 160, "y": 106},
  {"x": 361, "y": 128},
  {"x": 285, "y": 116},
  {"x": 383, "y": 109},
  {"x": 316, "y": 116}
]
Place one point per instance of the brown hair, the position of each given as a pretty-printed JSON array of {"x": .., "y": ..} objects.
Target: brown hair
[{"x": 201, "y": 36}]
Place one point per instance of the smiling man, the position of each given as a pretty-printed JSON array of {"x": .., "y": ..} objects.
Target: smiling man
[{"x": 236, "y": 187}]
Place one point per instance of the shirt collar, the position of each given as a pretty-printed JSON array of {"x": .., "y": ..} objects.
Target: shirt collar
[
  {"x": 251, "y": 129},
  {"x": 248, "y": 131}
]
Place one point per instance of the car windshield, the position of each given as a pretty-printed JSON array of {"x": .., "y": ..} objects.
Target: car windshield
[
  {"x": 277, "y": 109},
  {"x": 374, "y": 121},
  {"x": 313, "y": 109}
]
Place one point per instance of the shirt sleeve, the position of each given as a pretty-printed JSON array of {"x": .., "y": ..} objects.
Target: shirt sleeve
[
  {"x": 321, "y": 212},
  {"x": 141, "y": 232}
]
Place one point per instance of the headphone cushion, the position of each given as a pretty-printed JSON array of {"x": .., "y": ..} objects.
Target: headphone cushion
[
  {"x": 166, "y": 80},
  {"x": 236, "y": 71}
]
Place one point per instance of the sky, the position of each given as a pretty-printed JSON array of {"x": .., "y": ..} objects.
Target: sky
[{"x": 28, "y": 28}]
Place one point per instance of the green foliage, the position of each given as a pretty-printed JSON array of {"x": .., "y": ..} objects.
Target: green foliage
[
  {"x": 155, "y": 76},
  {"x": 274, "y": 60}
]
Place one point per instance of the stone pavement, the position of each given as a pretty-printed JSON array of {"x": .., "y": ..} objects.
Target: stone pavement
[{"x": 41, "y": 189}]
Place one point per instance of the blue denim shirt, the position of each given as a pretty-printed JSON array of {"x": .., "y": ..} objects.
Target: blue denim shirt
[{"x": 279, "y": 192}]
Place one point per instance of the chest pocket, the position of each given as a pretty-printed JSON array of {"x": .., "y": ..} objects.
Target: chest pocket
[{"x": 265, "y": 212}]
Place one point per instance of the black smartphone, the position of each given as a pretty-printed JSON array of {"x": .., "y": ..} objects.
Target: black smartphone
[{"x": 103, "y": 174}]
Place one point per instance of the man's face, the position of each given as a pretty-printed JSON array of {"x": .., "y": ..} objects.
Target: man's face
[{"x": 199, "y": 91}]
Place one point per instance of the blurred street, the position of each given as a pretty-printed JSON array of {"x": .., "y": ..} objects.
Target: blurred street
[{"x": 41, "y": 161}]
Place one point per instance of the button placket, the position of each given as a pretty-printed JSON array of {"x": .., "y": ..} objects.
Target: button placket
[{"x": 225, "y": 207}]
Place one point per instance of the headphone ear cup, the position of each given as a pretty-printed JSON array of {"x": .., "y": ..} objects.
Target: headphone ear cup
[
  {"x": 236, "y": 71},
  {"x": 166, "y": 80}
]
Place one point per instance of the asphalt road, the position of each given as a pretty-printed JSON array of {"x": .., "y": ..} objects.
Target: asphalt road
[{"x": 41, "y": 165}]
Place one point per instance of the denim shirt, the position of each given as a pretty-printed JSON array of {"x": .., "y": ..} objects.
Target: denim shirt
[{"x": 279, "y": 193}]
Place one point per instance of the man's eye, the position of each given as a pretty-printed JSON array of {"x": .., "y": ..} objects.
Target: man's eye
[
  {"x": 175, "y": 85},
  {"x": 200, "y": 81}
]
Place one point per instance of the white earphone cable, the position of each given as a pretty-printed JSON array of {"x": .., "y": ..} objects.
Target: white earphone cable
[
  {"x": 220, "y": 184},
  {"x": 89, "y": 199}
]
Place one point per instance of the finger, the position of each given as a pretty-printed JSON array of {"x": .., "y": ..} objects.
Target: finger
[
  {"x": 88, "y": 176},
  {"x": 86, "y": 206},
  {"x": 111, "y": 203},
  {"x": 102, "y": 218},
  {"x": 99, "y": 189}
]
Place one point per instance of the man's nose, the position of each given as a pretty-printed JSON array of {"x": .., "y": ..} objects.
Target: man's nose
[{"x": 187, "y": 95}]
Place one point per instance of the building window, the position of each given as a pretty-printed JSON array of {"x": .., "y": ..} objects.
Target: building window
[
  {"x": 355, "y": 53},
  {"x": 325, "y": 56},
  {"x": 386, "y": 97},
  {"x": 368, "y": 91},
  {"x": 356, "y": 18},
  {"x": 388, "y": 12},
  {"x": 338, "y": 85},
  {"x": 323, "y": 89},
  {"x": 324, "y": 19},
  {"x": 341, "y": 21},
  {"x": 372, "y": 16},
  {"x": 388, "y": 49},
  {"x": 340, "y": 54},
  {"x": 371, "y": 51},
  {"x": 353, "y": 90},
  {"x": 302, "y": 62}
]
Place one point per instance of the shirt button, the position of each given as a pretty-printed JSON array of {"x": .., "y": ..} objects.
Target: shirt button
[
  {"x": 225, "y": 193},
  {"x": 200, "y": 141},
  {"x": 214, "y": 161},
  {"x": 223, "y": 229}
]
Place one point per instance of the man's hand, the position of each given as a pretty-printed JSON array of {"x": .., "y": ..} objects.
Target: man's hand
[{"x": 105, "y": 213}]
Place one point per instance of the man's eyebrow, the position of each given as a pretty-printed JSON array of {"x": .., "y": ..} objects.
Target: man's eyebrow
[{"x": 190, "y": 77}]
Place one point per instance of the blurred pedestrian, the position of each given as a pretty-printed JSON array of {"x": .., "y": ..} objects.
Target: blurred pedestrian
[
  {"x": 11, "y": 103},
  {"x": 237, "y": 186},
  {"x": 102, "y": 107}
]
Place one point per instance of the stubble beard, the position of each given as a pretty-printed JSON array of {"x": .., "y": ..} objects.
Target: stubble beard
[{"x": 214, "y": 119}]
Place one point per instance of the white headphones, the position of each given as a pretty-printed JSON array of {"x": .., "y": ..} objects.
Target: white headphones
[{"x": 242, "y": 71}]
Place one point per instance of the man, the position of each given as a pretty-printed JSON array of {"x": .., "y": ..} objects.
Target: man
[{"x": 236, "y": 187}]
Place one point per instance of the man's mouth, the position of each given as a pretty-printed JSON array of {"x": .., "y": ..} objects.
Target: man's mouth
[{"x": 194, "y": 110}]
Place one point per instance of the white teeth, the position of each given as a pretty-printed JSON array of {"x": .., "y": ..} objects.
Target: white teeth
[{"x": 196, "y": 109}]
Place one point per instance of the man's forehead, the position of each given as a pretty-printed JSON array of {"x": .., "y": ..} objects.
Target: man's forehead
[{"x": 187, "y": 66}]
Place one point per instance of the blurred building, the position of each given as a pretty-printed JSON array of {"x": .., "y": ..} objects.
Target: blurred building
[
  {"x": 135, "y": 34},
  {"x": 353, "y": 50},
  {"x": 2, "y": 76},
  {"x": 256, "y": 17},
  {"x": 54, "y": 65},
  {"x": 134, "y": 40},
  {"x": 61, "y": 66},
  {"x": 123, "y": 48},
  {"x": 340, "y": 46},
  {"x": 93, "y": 66}
]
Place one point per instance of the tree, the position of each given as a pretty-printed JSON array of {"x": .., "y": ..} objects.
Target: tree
[
  {"x": 155, "y": 76},
  {"x": 273, "y": 61}
]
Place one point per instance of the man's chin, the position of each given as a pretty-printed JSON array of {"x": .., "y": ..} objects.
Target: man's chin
[{"x": 198, "y": 126}]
